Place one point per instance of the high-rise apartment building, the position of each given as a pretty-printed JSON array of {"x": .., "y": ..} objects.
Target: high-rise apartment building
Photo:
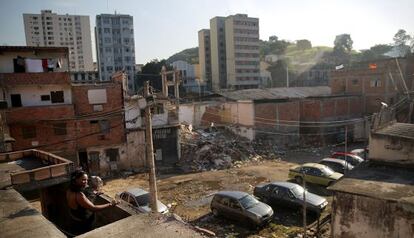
[
  {"x": 71, "y": 31},
  {"x": 234, "y": 47},
  {"x": 204, "y": 56},
  {"x": 242, "y": 52},
  {"x": 115, "y": 46},
  {"x": 218, "y": 53}
]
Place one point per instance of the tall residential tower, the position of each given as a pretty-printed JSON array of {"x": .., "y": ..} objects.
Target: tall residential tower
[
  {"x": 115, "y": 46},
  {"x": 71, "y": 31},
  {"x": 204, "y": 55},
  {"x": 234, "y": 47}
]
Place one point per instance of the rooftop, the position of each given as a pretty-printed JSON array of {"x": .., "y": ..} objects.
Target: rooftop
[
  {"x": 32, "y": 48},
  {"x": 32, "y": 169},
  {"x": 19, "y": 219},
  {"x": 401, "y": 130},
  {"x": 379, "y": 181},
  {"x": 277, "y": 93}
]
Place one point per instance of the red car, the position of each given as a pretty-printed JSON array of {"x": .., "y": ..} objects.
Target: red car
[{"x": 348, "y": 157}]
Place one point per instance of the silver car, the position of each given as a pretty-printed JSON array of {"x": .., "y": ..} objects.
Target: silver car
[
  {"x": 139, "y": 199},
  {"x": 242, "y": 207}
]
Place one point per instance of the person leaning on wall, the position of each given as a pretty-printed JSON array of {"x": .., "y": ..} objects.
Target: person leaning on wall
[{"x": 81, "y": 209}]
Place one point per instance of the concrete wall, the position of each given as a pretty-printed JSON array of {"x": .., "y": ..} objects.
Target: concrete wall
[
  {"x": 136, "y": 149},
  {"x": 31, "y": 94},
  {"x": 391, "y": 149},
  {"x": 357, "y": 216},
  {"x": 105, "y": 165}
]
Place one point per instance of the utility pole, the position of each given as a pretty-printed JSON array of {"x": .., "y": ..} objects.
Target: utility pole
[
  {"x": 287, "y": 76},
  {"x": 150, "y": 150},
  {"x": 304, "y": 205},
  {"x": 346, "y": 139},
  {"x": 2, "y": 144}
]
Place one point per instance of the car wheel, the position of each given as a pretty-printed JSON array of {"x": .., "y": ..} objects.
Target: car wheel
[
  {"x": 215, "y": 212},
  {"x": 299, "y": 180}
]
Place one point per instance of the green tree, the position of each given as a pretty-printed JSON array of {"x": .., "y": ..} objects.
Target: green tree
[
  {"x": 375, "y": 52},
  {"x": 303, "y": 44},
  {"x": 401, "y": 39},
  {"x": 343, "y": 44}
]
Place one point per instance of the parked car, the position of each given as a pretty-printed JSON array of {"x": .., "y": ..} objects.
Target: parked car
[
  {"x": 363, "y": 153},
  {"x": 337, "y": 165},
  {"x": 348, "y": 157},
  {"x": 314, "y": 173},
  {"x": 242, "y": 207},
  {"x": 278, "y": 194},
  {"x": 139, "y": 199}
]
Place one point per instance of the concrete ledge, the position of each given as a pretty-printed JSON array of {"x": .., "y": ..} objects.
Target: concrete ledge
[{"x": 19, "y": 219}]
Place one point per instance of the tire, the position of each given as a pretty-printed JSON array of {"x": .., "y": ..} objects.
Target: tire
[
  {"x": 299, "y": 180},
  {"x": 215, "y": 212}
]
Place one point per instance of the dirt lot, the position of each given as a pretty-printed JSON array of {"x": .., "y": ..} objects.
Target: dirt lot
[{"x": 190, "y": 196}]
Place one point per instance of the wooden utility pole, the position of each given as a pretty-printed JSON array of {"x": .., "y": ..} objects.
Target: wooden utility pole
[
  {"x": 150, "y": 151},
  {"x": 2, "y": 143},
  {"x": 305, "y": 227}
]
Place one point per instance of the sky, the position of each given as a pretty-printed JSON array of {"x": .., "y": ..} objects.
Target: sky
[{"x": 165, "y": 27}]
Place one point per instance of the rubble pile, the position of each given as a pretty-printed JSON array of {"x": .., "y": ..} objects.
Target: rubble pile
[{"x": 215, "y": 148}]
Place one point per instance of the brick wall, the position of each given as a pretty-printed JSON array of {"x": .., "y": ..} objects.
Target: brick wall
[
  {"x": 375, "y": 85},
  {"x": 88, "y": 130},
  {"x": 81, "y": 102},
  {"x": 45, "y": 137}
]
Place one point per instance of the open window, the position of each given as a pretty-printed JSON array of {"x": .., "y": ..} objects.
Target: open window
[{"x": 57, "y": 97}]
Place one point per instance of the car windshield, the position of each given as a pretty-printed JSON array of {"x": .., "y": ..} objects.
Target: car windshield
[
  {"x": 143, "y": 199},
  {"x": 328, "y": 171},
  {"x": 297, "y": 191},
  {"x": 248, "y": 201}
]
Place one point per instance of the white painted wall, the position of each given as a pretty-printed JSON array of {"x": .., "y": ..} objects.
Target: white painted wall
[
  {"x": 30, "y": 94},
  {"x": 186, "y": 114},
  {"x": 6, "y": 59},
  {"x": 132, "y": 111},
  {"x": 391, "y": 149}
]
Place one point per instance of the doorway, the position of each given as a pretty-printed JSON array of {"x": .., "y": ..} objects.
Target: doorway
[{"x": 83, "y": 160}]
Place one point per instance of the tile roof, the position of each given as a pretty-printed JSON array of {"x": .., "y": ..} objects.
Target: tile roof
[{"x": 13, "y": 79}]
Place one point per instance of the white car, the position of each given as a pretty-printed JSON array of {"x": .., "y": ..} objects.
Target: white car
[{"x": 139, "y": 199}]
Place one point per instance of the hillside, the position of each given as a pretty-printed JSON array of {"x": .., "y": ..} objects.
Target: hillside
[{"x": 189, "y": 55}]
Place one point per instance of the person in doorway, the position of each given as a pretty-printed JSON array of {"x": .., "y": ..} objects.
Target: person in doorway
[{"x": 81, "y": 209}]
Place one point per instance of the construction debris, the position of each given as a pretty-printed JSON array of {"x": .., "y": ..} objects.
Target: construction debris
[{"x": 217, "y": 148}]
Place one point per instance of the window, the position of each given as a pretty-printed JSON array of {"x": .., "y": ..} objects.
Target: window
[
  {"x": 375, "y": 83},
  {"x": 60, "y": 129},
  {"x": 104, "y": 126},
  {"x": 28, "y": 132},
  {"x": 355, "y": 82},
  {"x": 107, "y": 30},
  {"x": 57, "y": 96},
  {"x": 113, "y": 154},
  {"x": 45, "y": 97},
  {"x": 16, "y": 100}
]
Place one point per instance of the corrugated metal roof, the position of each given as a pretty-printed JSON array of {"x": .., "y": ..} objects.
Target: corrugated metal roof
[
  {"x": 277, "y": 93},
  {"x": 402, "y": 130}
]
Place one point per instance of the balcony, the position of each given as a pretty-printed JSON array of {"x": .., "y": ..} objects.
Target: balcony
[{"x": 37, "y": 113}]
